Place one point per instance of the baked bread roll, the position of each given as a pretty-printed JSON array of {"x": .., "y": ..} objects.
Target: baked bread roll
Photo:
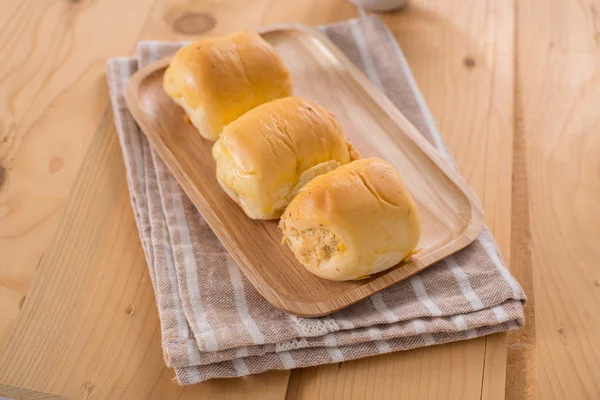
[
  {"x": 352, "y": 222},
  {"x": 267, "y": 154},
  {"x": 217, "y": 80}
]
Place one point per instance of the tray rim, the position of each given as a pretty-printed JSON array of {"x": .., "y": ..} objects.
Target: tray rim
[{"x": 319, "y": 308}]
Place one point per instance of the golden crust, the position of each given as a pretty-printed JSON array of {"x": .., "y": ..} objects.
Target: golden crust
[
  {"x": 222, "y": 78},
  {"x": 262, "y": 156},
  {"x": 368, "y": 211}
]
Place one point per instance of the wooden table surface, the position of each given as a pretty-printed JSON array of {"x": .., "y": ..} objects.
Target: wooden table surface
[{"x": 515, "y": 89}]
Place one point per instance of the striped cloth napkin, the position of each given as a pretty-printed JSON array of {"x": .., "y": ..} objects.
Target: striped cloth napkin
[{"x": 216, "y": 325}]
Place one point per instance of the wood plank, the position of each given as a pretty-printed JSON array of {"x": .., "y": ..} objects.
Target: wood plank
[
  {"x": 451, "y": 371},
  {"x": 495, "y": 367},
  {"x": 558, "y": 55},
  {"x": 53, "y": 97}
]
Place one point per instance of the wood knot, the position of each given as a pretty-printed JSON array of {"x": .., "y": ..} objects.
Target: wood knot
[
  {"x": 130, "y": 309},
  {"x": 88, "y": 387},
  {"x": 56, "y": 164},
  {"x": 193, "y": 23},
  {"x": 469, "y": 62}
]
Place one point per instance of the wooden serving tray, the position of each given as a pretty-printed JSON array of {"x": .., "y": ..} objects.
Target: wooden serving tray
[{"x": 451, "y": 215}]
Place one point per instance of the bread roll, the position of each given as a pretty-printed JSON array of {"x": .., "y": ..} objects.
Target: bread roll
[
  {"x": 352, "y": 222},
  {"x": 267, "y": 154},
  {"x": 217, "y": 80}
]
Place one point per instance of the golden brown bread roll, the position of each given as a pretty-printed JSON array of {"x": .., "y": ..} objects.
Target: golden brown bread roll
[
  {"x": 264, "y": 156},
  {"x": 352, "y": 222},
  {"x": 217, "y": 80}
]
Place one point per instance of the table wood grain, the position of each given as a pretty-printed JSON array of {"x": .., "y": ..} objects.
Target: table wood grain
[{"x": 514, "y": 88}]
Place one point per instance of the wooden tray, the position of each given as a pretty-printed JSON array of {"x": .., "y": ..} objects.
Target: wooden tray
[{"x": 450, "y": 213}]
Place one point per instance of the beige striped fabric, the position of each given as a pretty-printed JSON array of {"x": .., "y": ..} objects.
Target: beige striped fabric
[{"x": 215, "y": 324}]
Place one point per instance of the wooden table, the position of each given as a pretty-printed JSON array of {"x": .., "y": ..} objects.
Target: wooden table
[{"x": 514, "y": 88}]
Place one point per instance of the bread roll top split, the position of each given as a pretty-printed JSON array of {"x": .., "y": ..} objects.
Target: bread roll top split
[
  {"x": 352, "y": 222},
  {"x": 268, "y": 153},
  {"x": 216, "y": 80}
]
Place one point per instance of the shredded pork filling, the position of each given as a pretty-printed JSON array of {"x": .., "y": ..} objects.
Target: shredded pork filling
[{"x": 318, "y": 245}]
